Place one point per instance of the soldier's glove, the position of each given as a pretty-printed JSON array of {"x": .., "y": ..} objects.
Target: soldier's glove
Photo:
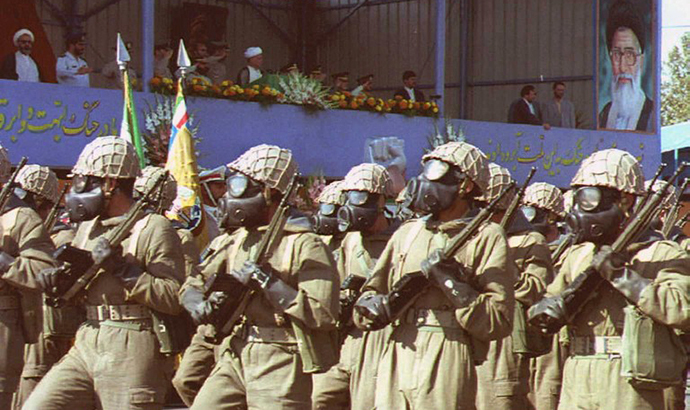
[
  {"x": 107, "y": 256},
  {"x": 549, "y": 314},
  {"x": 265, "y": 278},
  {"x": 612, "y": 267},
  {"x": 376, "y": 310},
  {"x": 49, "y": 279},
  {"x": 447, "y": 275},
  {"x": 5, "y": 261},
  {"x": 199, "y": 308}
]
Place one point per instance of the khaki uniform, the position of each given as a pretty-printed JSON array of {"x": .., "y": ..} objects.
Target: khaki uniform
[
  {"x": 429, "y": 362},
  {"x": 59, "y": 328},
  {"x": 594, "y": 381},
  {"x": 260, "y": 364},
  {"x": 504, "y": 376},
  {"x": 24, "y": 238},
  {"x": 351, "y": 384},
  {"x": 116, "y": 363}
]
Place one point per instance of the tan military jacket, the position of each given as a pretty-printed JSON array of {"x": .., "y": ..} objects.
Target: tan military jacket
[
  {"x": 485, "y": 257},
  {"x": 302, "y": 261},
  {"x": 358, "y": 253},
  {"x": 24, "y": 237},
  {"x": 190, "y": 251},
  {"x": 62, "y": 237},
  {"x": 666, "y": 300},
  {"x": 155, "y": 246},
  {"x": 533, "y": 260}
]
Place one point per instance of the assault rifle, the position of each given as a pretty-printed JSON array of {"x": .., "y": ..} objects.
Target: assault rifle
[
  {"x": 7, "y": 189},
  {"x": 52, "y": 217},
  {"x": 81, "y": 267},
  {"x": 672, "y": 215},
  {"x": 515, "y": 203},
  {"x": 562, "y": 247},
  {"x": 405, "y": 291},
  {"x": 649, "y": 190},
  {"x": 584, "y": 287},
  {"x": 236, "y": 296}
]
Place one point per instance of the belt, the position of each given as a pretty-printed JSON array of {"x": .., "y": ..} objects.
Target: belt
[
  {"x": 263, "y": 334},
  {"x": 593, "y": 345},
  {"x": 431, "y": 317},
  {"x": 9, "y": 302},
  {"x": 117, "y": 312}
]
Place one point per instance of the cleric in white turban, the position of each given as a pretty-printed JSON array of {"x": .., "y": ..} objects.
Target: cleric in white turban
[
  {"x": 253, "y": 71},
  {"x": 19, "y": 65}
]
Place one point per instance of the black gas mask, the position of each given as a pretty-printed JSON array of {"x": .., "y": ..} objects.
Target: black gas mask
[
  {"x": 325, "y": 221},
  {"x": 243, "y": 204},
  {"x": 360, "y": 211},
  {"x": 435, "y": 189},
  {"x": 541, "y": 219},
  {"x": 86, "y": 198},
  {"x": 596, "y": 216}
]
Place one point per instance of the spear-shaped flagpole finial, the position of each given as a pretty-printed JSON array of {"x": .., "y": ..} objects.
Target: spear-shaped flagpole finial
[
  {"x": 183, "y": 59},
  {"x": 122, "y": 54}
]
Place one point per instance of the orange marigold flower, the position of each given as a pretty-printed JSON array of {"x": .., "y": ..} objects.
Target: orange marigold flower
[
  {"x": 398, "y": 97},
  {"x": 156, "y": 81},
  {"x": 426, "y": 105},
  {"x": 403, "y": 104},
  {"x": 354, "y": 105},
  {"x": 416, "y": 105},
  {"x": 266, "y": 91},
  {"x": 371, "y": 101},
  {"x": 342, "y": 104}
]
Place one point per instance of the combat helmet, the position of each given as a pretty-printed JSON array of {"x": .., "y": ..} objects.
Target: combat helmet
[
  {"x": 499, "y": 180},
  {"x": 269, "y": 164},
  {"x": 611, "y": 168},
  {"x": 332, "y": 194},
  {"x": 39, "y": 181},
  {"x": 372, "y": 178},
  {"x": 545, "y": 196},
  {"x": 110, "y": 156},
  {"x": 470, "y": 159},
  {"x": 168, "y": 192}
]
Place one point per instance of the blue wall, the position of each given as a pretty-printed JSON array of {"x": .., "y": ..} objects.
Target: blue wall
[{"x": 50, "y": 124}]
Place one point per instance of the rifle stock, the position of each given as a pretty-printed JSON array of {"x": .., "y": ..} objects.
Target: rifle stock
[
  {"x": 6, "y": 191},
  {"x": 51, "y": 219},
  {"x": 515, "y": 203},
  {"x": 672, "y": 215}
]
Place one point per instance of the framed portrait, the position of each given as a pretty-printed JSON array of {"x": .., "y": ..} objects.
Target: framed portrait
[{"x": 627, "y": 66}]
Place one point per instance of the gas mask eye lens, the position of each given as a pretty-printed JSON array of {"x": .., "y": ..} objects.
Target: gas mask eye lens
[
  {"x": 79, "y": 183},
  {"x": 357, "y": 198},
  {"x": 435, "y": 169},
  {"x": 588, "y": 198},
  {"x": 237, "y": 185},
  {"x": 529, "y": 211},
  {"x": 326, "y": 209}
]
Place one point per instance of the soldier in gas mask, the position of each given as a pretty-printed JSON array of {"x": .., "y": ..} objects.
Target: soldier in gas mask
[
  {"x": 37, "y": 187},
  {"x": 260, "y": 364},
  {"x": 429, "y": 361},
  {"x": 644, "y": 292},
  {"x": 325, "y": 220},
  {"x": 116, "y": 361},
  {"x": 504, "y": 376},
  {"x": 543, "y": 206},
  {"x": 213, "y": 187},
  {"x": 351, "y": 383},
  {"x": 25, "y": 249}
]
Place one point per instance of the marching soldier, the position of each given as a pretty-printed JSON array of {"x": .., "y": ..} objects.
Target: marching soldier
[
  {"x": 352, "y": 382},
  {"x": 38, "y": 188},
  {"x": 262, "y": 363},
  {"x": 443, "y": 325},
  {"x": 543, "y": 207},
  {"x": 116, "y": 361},
  {"x": 643, "y": 295},
  {"x": 25, "y": 249},
  {"x": 325, "y": 221},
  {"x": 504, "y": 376}
]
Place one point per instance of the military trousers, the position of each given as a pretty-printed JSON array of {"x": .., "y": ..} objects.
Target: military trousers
[
  {"x": 11, "y": 354},
  {"x": 112, "y": 366},
  {"x": 503, "y": 378},
  {"x": 196, "y": 365},
  {"x": 426, "y": 367},
  {"x": 256, "y": 375},
  {"x": 546, "y": 376},
  {"x": 351, "y": 384},
  {"x": 594, "y": 382}
]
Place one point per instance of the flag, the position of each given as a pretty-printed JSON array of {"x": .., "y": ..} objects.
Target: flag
[{"x": 129, "y": 129}]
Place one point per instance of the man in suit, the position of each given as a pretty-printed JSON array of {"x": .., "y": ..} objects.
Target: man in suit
[
  {"x": 19, "y": 65},
  {"x": 525, "y": 110},
  {"x": 409, "y": 90}
]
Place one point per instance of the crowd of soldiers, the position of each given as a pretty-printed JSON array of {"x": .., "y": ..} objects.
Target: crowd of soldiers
[{"x": 473, "y": 293}]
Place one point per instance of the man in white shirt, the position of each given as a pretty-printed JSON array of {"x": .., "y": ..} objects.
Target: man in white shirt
[
  {"x": 253, "y": 71},
  {"x": 19, "y": 65},
  {"x": 71, "y": 69},
  {"x": 161, "y": 58}
]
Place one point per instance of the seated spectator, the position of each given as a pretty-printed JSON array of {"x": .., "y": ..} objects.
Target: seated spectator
[
  {"x": 409, "y": 90},
  {"x": 253, "y": 71},
  {"x": 289, "y": 68},
  {"x": 317, "y": 74},
  {"x": 525, "y": 110},
  {"x": 19, "y": 65},
  {"x": 341, "y": 82},
  {"x": 217, "y": 70},
  {"x": 162, "y": 53},
  {"x": 111, "y": 70},
  {"x": 365, "y": 85},
  {"x": 71, "y": 69},
  {"x": 559, "y": 112}
]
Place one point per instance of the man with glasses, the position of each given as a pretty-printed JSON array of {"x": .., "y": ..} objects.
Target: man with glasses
[
  {"x": 630, "y": 108},
  {"x": 19, "y": 65},
  {"x": 71, "y": 69}
]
